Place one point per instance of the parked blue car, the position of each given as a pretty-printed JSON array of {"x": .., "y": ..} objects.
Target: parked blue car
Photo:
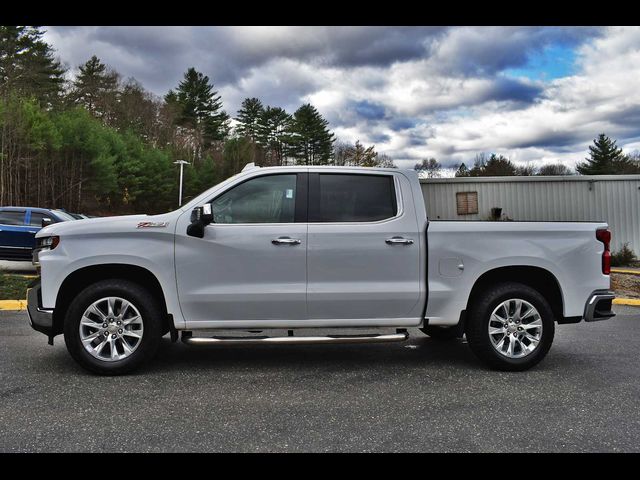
[{"x": 18, "y": 228}]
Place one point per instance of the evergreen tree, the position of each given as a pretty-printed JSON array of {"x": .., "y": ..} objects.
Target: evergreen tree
[
  {"x": 237, "y": 153},
  {"x": 27, "y": 65},
  {"x": 462, "y": 171},
  {"x": 138, "y": 111},
  {"x": 632, "y": 164},
  {"x": 496, "y": 166},
  {"x": 249, "y": 119},
  {"x": 605, "y": 158},
  {"x": 273, "y": 133},
  {"x": 200, "y": 107},
  {"x": 95, "y": 88},
  {"x": 311, "y": 142}
]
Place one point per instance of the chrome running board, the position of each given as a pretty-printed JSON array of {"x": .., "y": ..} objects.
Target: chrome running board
[{"x": 291, "y": 340}]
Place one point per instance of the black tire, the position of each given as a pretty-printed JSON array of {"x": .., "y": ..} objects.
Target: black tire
[
  {"x": 478, "y": 324},
  {"x": 149, "y": 310},
  {"x": 442, "y": 334}
]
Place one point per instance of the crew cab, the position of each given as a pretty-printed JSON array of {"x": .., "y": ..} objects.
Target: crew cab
[{"x": 327, "y": 248}]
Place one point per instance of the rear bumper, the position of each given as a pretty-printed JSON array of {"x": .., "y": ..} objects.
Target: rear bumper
[
  {"x": 598, "y": 307},
  {"x": 40, "y": 319}
]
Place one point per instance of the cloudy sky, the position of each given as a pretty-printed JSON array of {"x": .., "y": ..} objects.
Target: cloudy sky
[{"x": 535, "y": 94}]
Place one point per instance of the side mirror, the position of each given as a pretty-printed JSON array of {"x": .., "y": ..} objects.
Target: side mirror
[
  {"x": 200, "y": 218},
  {"x": 46, "y": 221}
]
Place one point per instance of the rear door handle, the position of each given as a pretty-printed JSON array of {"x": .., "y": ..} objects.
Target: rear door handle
[
  {"x": 286, "y": 241},
  {"x": 399, "y": 241}
]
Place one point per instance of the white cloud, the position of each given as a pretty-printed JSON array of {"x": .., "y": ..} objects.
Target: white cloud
[{"x": 413, "y": 92}]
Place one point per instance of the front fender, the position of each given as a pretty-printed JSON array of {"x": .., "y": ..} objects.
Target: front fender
[{"x": 152, "y": 254}]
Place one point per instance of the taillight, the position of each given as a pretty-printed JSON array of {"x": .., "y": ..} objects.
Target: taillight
[{"x": 604, "y": 236}]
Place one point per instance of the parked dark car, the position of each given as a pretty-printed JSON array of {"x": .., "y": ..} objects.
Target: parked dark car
[{"x": 18, "y": 227}]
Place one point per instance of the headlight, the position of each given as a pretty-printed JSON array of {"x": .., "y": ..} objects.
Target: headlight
[
  {"x": 44, "y": 243},
  {"x": 47, "y": 242}
]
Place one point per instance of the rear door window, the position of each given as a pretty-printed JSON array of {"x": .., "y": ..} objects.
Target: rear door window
[{"x": 353, "y": 198}]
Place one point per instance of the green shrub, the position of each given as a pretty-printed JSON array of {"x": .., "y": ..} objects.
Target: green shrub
[{"x": 623, "y": 257}]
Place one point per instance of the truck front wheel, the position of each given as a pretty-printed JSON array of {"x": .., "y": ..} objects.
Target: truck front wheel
[
  {"x": 112, "y": 327},
  {"x": 510, "y": 326}
]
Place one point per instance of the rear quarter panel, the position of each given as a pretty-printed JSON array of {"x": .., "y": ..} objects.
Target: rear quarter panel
[{"x": 570, "y": 251}]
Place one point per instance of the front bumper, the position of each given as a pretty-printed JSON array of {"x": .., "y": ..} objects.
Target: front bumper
[
  {"x": 40, "y": 319},
  {"x": 598, "y": 306}
]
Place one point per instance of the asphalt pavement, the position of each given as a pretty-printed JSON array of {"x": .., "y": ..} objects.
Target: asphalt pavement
[{"x": 421, "y": 395}]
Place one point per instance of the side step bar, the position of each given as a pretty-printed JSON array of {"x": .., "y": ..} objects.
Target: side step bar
[{"x": 374, "y": 338}]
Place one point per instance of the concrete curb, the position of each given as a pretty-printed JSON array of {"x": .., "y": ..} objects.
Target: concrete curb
[
  {"x": 13, "y": 304},
  {"x": 625, "y": 271},
  {"x": 634, "y": 302}
]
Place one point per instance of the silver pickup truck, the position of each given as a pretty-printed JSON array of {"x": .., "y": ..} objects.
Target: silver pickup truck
[{"x": 329, "y": 248}]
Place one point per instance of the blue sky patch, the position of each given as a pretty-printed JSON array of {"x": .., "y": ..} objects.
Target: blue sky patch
[{"x": 553, "y": 61}]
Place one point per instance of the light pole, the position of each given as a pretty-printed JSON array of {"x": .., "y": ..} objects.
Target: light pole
[{"x": 182, "y": 163}]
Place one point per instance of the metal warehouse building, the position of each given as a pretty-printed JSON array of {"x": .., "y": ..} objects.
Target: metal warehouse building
[{"x": 614, "y": 199}]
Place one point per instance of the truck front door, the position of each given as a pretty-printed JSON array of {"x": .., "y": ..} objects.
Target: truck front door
[{"x": 251, "y": 263}]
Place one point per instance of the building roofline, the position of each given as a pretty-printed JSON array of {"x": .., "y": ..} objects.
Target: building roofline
[{"x": 533, "y": 178}]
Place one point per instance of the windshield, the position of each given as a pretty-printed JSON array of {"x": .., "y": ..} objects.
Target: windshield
[{"x": 64, "y": 216}]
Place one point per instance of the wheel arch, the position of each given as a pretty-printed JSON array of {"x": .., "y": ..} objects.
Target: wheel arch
[
  {"x": 81, "y": 278},
  {"x": 537, "y": 278}
]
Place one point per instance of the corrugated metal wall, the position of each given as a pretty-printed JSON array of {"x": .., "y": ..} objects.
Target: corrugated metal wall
[{"x": 614, "y": 199}]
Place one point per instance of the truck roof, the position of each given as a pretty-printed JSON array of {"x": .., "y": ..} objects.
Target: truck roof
[{"x": 253, "y": 166}]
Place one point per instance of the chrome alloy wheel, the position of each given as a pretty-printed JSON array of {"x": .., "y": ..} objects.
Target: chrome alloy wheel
[
  {"x": 111, "y": 329},
  {"x": 515, "y": 328}
]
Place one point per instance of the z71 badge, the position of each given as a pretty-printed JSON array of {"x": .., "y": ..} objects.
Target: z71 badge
[{"x": 152, "y": 224}]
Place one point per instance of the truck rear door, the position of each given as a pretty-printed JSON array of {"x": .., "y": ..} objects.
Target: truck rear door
[{"x": 363, "y": 256}]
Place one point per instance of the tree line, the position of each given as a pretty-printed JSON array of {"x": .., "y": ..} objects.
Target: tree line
[
  {"x": 605, "y": 158},
  {"x": 103, "y": 144}
]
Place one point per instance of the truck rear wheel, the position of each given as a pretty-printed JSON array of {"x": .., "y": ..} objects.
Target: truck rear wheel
[
  {"x": 112, "y": 327},
  {"x": 510, "y": 327}
]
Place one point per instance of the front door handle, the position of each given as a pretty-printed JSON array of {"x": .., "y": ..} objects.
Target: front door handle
[
  {"x": 285, "y": 241},
  {"x": 399, "y": 241}
]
